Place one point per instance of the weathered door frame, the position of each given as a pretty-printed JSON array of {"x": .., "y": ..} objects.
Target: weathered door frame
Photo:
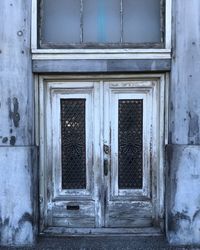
[{"x": 163, "y": 81}]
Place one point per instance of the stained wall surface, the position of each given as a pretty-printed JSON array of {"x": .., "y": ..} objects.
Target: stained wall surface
[
  {"x": 17, "y": 153},
  {"x": 183, "y": 155}
]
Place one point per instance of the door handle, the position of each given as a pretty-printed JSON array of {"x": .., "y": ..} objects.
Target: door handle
[
  {"x": 106, "y": 165},
  {"x": 106, "y": 149}
]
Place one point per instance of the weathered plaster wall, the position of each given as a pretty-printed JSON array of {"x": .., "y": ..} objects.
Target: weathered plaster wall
[
  {"x": 184, "y": 201},
  {"x": 183, "y": 156},
  {"x": 16, "y": 124},
  {"x": 185, "y": 76},
  {"x": 16, "y": 93},
  {"x": 16, "y": 195}
]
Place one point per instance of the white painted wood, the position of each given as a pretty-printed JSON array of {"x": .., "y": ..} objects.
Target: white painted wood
[
  {"x": 42, "y": 163},
  {"x": 100, "y": 51},
  {"x": 129, "y": 215},
  {"x": 100, "y": 200},
  {"x": 52, "y": 94},
  {"x": 134, "y": 90},
  {"x": 164, "y": 54},
  {"x": 63, "y": 231},
  {"x": 168, "y": 24},
  {"x": 82, "y": 218},
  {"x": 166, "y": 79},
  {"x": 116, "y": 95},
  {"x": 163, "y": 135},
  {"x": 60, "y": 211},
  {"x": 61, "y": 78},
  {"x": 34, "y": 25},
  {"x": 36, "y": 91},
  {"x": 98, "y": 156},
  {"x": 56, "y": 96},
  {"x": 71, "y": 222}
]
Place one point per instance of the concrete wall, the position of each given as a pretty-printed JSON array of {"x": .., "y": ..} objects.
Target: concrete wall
[
  {"x": 183, "y": 155},
  {"x": 16, "y": 124}
]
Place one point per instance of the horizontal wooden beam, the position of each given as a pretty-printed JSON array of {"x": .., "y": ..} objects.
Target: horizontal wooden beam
[{"x": 90, "y": 66}]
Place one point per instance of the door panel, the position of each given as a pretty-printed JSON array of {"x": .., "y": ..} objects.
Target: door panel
[
  {"x": 72, "y": 142},
  {"x": 129, "y": 214},
  {"x": 100, "y": 143},
  {"x": 71, "y": 186},
  {"x": 74, "y": 214},
  {"x": 129, "y": 115}
]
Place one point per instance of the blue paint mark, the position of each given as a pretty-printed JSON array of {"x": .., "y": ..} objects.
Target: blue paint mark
[{"x": 101, "y": 21}]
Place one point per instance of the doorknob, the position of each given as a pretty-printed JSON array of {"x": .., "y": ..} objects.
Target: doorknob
[
  {"x": 105, "y": 167},
  {"x": 106, "y": 149}
]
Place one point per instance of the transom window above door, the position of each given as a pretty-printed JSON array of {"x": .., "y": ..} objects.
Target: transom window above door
[{"x": 101, "y": 24}]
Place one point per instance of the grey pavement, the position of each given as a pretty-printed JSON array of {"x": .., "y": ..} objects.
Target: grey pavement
[{"x": 101, "y": 243}]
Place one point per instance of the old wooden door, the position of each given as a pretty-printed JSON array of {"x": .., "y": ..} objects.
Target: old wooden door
[{"x": 102, "y": 148}]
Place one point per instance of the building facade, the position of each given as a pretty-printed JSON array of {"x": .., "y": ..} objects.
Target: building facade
[{"x": 99, "y": 119}]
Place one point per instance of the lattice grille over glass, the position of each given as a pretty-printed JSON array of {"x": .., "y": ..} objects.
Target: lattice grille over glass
[
  {"x": 98, "y": 23},
  {"x": 73, "y": 143},
  {"x": 130, "y": 144}
]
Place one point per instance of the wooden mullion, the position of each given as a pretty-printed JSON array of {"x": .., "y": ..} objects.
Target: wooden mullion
[
  {"x": 121, "y": 22},
  {"x": 81, "y": 21},
  {"x": 162, "y": 20}
]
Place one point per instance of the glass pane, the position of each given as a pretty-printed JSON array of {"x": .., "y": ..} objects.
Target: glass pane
[
  {"x": 61, "y": 21},
  {"x": 141, "y": 21},
  {"x": 101, "y": 21},
  {"x": 73, "y": 143},
  {"x": 130, "y": 144}
]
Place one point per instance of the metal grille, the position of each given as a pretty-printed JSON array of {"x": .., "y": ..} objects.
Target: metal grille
[
  {"x": 73, "y": 143},
  {"x": 130, "y": 144}
]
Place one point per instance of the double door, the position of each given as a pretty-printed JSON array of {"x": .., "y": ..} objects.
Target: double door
[{"x": 100, "y": 170}]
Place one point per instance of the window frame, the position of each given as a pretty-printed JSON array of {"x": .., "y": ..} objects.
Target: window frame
[{"x": 126, "y": 52}]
